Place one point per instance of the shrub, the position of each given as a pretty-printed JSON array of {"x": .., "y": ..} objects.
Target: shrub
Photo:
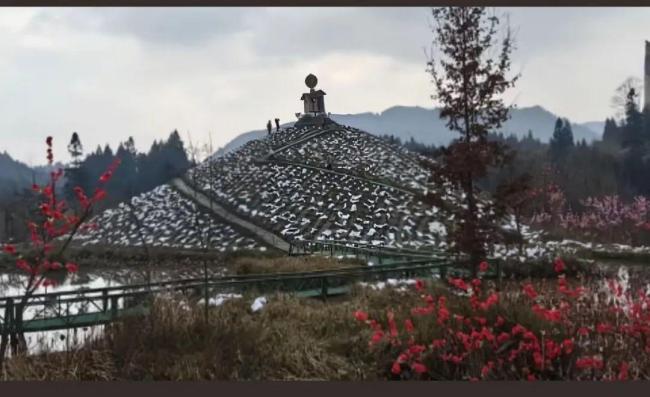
[{"x": 558, "y": 330}]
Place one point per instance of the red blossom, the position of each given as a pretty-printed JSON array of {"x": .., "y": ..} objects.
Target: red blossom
[
  {"x": 361, "y": 316},
  {"x": 377, "y": 337},
  {"x": 419, "y": 285},
  {"x": 491, "y": 300},
  {"x": 106, "y": 176},
  {"x": 529, "y": 290},
  {"x": 458, "y": 283},
  {"x": 623, "y": 371},
  {"x": 483, "y": 266},
  {"x": 23, "y": 265},
  {"x": 443, "y": 315},
  {"x": 589, "y": 363},
  {"x": 71, "y": 267},
  {"x": 476, "y": 284},
  {"x": 604, "y": 328},
  {"x": 416, "y": 349},
  {"x": 503, "y": 337},
  {"x": 408, "y": 325},
  {"x": 419, "y": 368},
  {"x": 392, "y": 326},
  {"x": 518, "y": 329},
  {"x": 559, "y": 265},
  {"x": 568, "y": 345},
  {"x": 9, "y": 249},
  {"x": 99, "y": 195},
  {"x": 396, "y": 368},
  {"x": 538, "y": 359}
]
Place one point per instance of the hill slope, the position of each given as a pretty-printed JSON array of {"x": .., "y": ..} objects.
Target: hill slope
[
  {"x": 312, "y": 183},
  {"x": 309, "y": 183}
]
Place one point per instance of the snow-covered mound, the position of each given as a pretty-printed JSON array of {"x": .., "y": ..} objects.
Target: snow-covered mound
[
  {"x": 162, "y": 218},
  {"x": 325, "y": 183},
  {"x": 312, "y": 183},
  {"x": 354, "y": 151}
]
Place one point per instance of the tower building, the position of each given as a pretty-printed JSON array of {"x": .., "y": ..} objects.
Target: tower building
[{"x": 314, "y": 105}]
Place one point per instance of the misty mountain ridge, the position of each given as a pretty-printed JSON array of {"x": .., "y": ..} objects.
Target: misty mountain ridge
[
  {"x": 16, "y": 176},
  {"x": 425, "y": 126}
]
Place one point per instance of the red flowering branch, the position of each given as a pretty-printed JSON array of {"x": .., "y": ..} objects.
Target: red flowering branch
[{"x": 55, "y": 221}]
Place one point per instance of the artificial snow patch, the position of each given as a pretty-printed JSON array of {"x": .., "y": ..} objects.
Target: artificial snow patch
[
  {"x": 219, "y": 299},
  {"x": 258, "y": 303},
  {"x": 438, "y": 228},
  {"x": 392, "y": 282}
]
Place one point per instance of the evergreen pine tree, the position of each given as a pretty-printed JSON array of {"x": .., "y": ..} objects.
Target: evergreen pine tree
[
  {"x": 633, "y": 128},
  {"x": 561, "y": 142},
  {"x": 611, "y": 133}
]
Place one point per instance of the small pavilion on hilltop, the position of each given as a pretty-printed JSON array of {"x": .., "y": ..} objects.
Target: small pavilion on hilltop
[{"x": 314, "y": 106}]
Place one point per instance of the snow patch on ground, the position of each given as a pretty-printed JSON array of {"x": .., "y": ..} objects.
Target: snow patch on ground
[{"x": 259, "y": 303}]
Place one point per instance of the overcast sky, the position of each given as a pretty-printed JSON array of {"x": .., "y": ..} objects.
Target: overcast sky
[{"x": 110, "y": 73}]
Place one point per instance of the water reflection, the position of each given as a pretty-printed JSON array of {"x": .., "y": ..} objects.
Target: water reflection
[{"x": 13, "y": 284}]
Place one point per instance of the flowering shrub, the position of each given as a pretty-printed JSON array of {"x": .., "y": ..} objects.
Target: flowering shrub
[
  {"x": 534, "y": 331},
  {"x": 606, "y": 219},
  {"x": 52, "y": 232}
]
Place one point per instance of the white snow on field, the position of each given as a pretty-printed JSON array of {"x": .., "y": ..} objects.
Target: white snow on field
[
  {"x": 259, "y": 303},
  {"x": 219, "y": 299},
  {"x": 391, "y": 282}
]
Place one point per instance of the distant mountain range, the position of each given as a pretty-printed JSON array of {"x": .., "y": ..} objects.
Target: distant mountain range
[
  {"x": 425, "y": 126},
  {"x": 16, "y": 176},
  {"x": 406, "y": 122}
]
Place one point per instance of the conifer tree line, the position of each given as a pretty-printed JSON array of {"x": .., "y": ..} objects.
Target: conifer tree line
[
  {"x": 138, "y": 172},
  {"x": 616, "y": 164}
]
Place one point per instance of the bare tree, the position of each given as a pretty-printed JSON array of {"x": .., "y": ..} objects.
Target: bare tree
[{"x": 620, "y": 98}]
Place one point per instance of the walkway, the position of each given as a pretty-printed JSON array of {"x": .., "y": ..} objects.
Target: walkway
[
  {"x": 263, "y": 235},
  {"x": 87, "y": 307},
  {"x": 305, "y": 138}
]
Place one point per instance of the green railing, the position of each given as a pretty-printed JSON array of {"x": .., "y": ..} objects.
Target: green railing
[
  {"x": 85, "y": 307},
  {"x": 378, "y": 255}
]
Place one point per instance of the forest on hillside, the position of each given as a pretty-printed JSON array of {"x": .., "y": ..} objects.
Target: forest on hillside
[
  {"x": 138, "y": 172},
  {"x": 616, "y": 165}
]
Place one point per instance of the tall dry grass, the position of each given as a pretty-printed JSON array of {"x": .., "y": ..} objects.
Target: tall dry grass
[
  {"x": 288, "y": 264},
  {"x": 288, "y": 339}
]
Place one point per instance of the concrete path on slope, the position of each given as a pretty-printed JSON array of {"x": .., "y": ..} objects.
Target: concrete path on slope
[
  {"x": 305, "y": 138},
  {"x": 201, "y": 199}
]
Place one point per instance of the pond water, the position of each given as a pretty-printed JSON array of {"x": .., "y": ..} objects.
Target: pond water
[{"x": 13, "y": 284}]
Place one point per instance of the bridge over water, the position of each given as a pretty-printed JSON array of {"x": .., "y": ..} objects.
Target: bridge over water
[{"x": 88, "y": 307}]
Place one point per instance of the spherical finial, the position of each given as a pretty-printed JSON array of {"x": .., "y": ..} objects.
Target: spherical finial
[{"x": 311, "y": 80}]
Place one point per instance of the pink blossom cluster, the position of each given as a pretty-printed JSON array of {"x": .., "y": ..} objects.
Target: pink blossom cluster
[{"x": 607, "y": 219}]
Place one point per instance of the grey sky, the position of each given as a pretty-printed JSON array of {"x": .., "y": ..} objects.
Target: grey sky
[{"x": 110, "y": 73}]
